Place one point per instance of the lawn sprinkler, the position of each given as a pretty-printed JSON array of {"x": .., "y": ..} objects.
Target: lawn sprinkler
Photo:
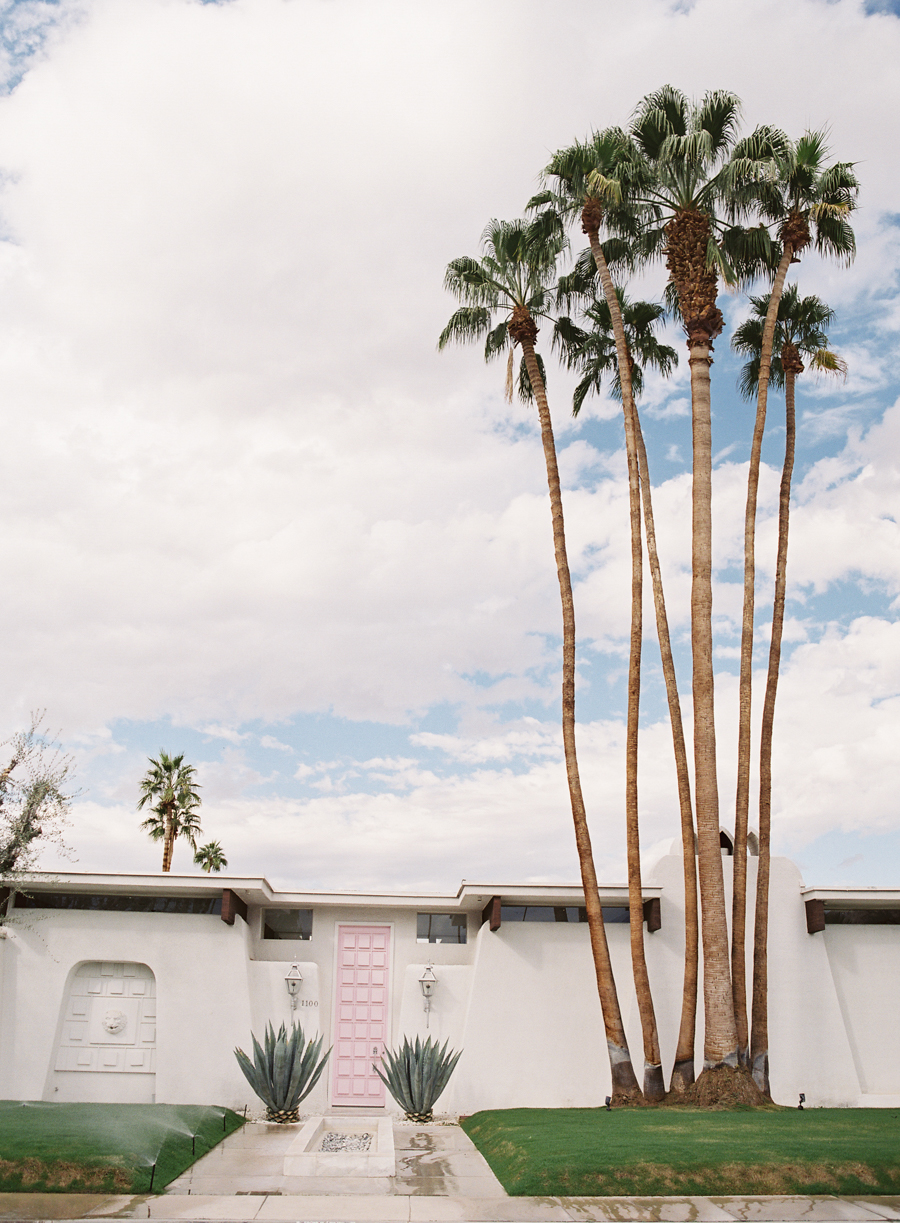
[
  {"x": 152, "y": 1174},
  {"x": 802, "y": 1100},
  {"x": 609, "y": 1104}
]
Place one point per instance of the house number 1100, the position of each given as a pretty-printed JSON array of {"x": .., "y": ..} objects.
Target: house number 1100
[{"x": 305, "y": 1002}]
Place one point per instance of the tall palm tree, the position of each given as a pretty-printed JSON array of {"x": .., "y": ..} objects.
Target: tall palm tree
[
  {"x": 807, "y": 203},
  {"x": 586, "y": 181},
  {"x": 211, "y": 857},
  {"x": 799, "y": 331},
  {"x": 169, "y": 789},
  {"x": 514, "y": 280},
  {"x": 594, "y": 352},
  {"x": 678, "y": 175}
]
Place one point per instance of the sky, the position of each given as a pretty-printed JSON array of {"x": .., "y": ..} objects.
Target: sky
[{"x": 253, "y": 516}]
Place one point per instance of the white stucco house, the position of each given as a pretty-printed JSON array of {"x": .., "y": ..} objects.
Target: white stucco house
[{"x": 138, "y": 987}]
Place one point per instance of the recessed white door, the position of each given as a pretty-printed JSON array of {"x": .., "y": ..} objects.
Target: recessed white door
[{"x": 107, "y": 1041}]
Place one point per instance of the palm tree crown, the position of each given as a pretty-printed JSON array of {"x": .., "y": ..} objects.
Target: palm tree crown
[
  {"x": 593, "y": 350},
  {"x": 808, "y": 201},
  {"x": 515, "y": 279},
  {"x": 170, "y": 787},
  {"x": 211, "y": 857},
  {"x": 584, "y": 181},
  {"x": 681, "y": 176},
  {"x": 799, "y": 326}
]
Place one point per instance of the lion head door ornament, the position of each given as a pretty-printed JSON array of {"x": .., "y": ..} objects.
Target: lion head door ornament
[{"x": 115, "y": 1022}]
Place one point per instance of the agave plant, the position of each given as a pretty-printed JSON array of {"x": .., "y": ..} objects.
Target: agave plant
[
  {"x": 284, "y": 1070},
  {"x": 417, "y": 1075}
]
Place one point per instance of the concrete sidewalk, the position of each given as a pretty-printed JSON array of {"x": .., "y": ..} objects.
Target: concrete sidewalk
[{"x": 411, "y": 1208}]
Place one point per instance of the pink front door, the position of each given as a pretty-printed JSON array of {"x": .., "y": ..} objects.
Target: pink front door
[{"x": 360, "y": 1014}]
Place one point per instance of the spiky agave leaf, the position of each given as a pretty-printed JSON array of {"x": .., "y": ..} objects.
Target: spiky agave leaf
[
  {"x": 309, "y": 1071},
  {"x": 396, "y": 1078},
  {"x": 417, "y": 1074},
  {"x": 285, "y": 1068}
]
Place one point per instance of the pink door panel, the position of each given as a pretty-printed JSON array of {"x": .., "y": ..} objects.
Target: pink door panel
[{"x": 360, "y": 1014}]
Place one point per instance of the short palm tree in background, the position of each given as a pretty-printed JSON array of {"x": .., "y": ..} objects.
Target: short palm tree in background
[
  {"x": 799, "y": 332},
  {"x": 169, "y": 790},
  {"x": 211, "y": 857}
]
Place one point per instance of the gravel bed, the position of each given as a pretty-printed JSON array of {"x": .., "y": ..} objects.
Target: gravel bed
[{"x": 334, "y": 1141}]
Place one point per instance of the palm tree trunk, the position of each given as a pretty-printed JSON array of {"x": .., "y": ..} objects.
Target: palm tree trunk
[
  {"x": 624, "y": 1083},
  {"x": 720, "y": 1038},
  {"x": 759, "y": 1048},
  {"x": 654, "y": 1084},
  {"x": 742, "y": 796},
  {"x": 683, "y": 1069},
  {"x": 168, "y": 841}
]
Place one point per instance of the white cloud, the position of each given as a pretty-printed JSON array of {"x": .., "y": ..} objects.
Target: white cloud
[
  {"x": 227, "y": 733},
  {"x": 273, "y": 744}
]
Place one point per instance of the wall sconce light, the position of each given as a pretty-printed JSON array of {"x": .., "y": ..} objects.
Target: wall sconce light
[
  {"x": 428, "y": 981},
  {"x": 293, "y": 980}
]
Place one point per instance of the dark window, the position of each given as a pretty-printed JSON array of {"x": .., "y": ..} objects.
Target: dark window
[
  {"x": 862, "y": 917},
  {"x": 119, "y": 904},
  {"x": 440, "y": 927},
  {"x": 563, "y": 913},
  {"x": 287, "y": 923},
  {"x": 726, "y": 843}
]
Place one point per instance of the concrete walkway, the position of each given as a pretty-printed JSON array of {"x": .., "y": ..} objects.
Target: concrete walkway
[
  {"x": 432, "y": 1161},
  {"x": 440, "y": 1178}
]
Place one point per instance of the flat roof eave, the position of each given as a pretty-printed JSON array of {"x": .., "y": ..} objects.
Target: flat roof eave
[
  {"x": 257, "y": 890},
  {"x": 854, "y": 898}
]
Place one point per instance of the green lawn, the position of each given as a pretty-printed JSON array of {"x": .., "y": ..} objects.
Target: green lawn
[
  {"x": 72, "y": 1148},
  {"x": 650, "y": 1152}
]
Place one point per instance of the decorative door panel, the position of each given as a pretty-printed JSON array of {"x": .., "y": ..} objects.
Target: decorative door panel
[
  {"x": 361, "y": 1014},
  {"x": 109, "y": 1023}
]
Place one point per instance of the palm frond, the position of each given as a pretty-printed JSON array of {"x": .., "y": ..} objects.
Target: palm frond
[
  {"x": 826, "y": 362},
  {"x": 835, "y": 237},
  {"x": 497, "y": 340},
  {"x": 717, "y": 260},
  {"x": 471, "y": 281},
  {"x": 466, "y": 324},
  {"x": 719, "y": 115}
]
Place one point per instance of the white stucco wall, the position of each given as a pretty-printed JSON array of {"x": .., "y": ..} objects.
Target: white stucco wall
[
  {"x": 203, "y": 997},
  {"x": 808, "y": 1041},
  {"x": 865, "y": 967},
  {"x": 521, "y": 1001},
  {"x": 533, "y": 1033}
]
